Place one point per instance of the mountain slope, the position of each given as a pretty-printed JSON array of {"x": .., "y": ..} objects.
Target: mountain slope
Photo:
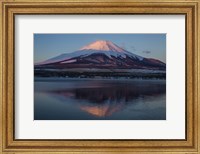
[{"x": 102, "y": 54}]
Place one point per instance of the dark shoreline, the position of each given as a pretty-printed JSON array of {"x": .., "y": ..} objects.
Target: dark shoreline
[
  {"x": 56, "y": 79},
  {"x": 101, "y": 75}
]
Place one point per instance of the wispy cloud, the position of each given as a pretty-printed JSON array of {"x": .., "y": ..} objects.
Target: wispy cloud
[{"x": 146, "y": 51}]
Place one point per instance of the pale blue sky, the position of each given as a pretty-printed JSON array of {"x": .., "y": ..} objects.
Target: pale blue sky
[{"x": 147, "y": 45}]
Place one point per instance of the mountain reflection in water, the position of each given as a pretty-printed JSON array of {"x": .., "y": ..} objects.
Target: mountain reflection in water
[{"x": 88, "y": 100}]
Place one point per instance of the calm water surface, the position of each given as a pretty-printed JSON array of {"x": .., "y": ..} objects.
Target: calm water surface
[{"x": 92, "y": 99}]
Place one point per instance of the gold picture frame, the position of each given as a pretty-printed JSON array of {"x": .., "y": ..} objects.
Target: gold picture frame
[{"x": 189, "y": 8}]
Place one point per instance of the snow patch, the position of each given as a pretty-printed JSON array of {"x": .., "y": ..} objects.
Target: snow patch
[{"x": 68, "y": 61}]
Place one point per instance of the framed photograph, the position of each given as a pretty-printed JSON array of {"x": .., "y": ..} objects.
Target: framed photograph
[{"x": 99, "y": 76}]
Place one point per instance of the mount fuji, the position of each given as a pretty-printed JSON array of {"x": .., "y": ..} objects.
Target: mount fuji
[{"x": 102, "y": 55}]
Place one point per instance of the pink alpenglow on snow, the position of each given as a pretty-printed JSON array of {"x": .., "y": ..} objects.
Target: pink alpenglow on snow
[{"x": 103, "y": 45}]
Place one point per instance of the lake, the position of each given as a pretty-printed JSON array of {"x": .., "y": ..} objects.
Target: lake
[{"x": 99, "y": 99}]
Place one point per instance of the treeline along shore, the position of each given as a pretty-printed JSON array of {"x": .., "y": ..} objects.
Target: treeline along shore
[{"x": 144, "y": 74}]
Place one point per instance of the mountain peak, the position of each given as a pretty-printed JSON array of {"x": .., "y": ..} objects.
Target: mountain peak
[{"x": 103, "y": 45}]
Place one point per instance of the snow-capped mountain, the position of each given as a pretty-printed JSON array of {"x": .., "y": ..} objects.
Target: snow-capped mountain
[{"x": 102, "y": 54}]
